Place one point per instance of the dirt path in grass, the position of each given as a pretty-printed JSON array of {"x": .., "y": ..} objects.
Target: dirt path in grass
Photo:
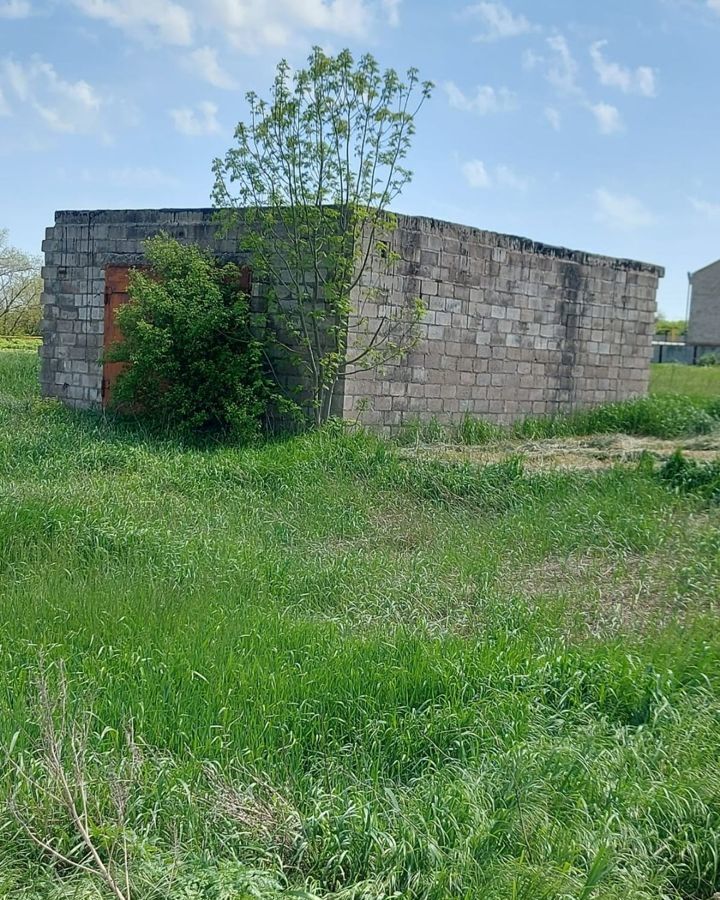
[{"x": 596, "y": 452}]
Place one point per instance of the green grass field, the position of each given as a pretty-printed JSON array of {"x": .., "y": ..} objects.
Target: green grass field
[
  {"x": 693, "y": 381},
  {"x": 19, "y": 342},
  {"x": 346, "y": 672}
]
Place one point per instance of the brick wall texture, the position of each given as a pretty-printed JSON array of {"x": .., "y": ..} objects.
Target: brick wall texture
[
  {"x": 513, "y": 328},
  {"x": 704, "y": 323}
]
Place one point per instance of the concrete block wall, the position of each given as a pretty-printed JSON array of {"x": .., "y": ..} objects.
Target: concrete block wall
[
  {"x": 704, "y": 323},
  {"x": 513, "y": 328},
  {"x": 77, "y": 249}
]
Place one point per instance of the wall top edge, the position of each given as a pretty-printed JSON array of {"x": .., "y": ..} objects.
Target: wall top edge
[{"x": 197, "y": 215}]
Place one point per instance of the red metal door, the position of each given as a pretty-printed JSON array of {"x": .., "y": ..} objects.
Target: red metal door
[{"x": 116, "y": 293}]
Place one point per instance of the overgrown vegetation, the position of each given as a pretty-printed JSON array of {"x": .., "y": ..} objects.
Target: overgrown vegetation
[
  {"x": 315, "y": 668},
  {"x": 709, "y": 359},
  {"x": 689, "y": 475},
  {"x": 662, "y": 416},
  {"x": 309, "y": 182},
  {"x": 195, "y": 360}
]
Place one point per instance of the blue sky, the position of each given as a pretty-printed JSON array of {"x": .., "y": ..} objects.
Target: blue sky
[{"x": 594, "y": 124}]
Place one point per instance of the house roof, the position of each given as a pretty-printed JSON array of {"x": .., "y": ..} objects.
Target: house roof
[{"x": 704, "y": 268}]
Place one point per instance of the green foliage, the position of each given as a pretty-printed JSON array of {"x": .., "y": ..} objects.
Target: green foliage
[
  {"x": 195, "y": 360},
  {"x": 673, "y": 327},
  {"x": 708, "y": 359},
  {"x": 352, "y": 674},
  {"x": 689, "y": 475},
  {"x": 309, "y": 182},
  {"x": 19, "y": 342},
  {"x": 476, "y": 431},
  {"x": 18, "y": 376},
  {"x": 417, "y": 431},
  {"x": 20, "y": 290}
]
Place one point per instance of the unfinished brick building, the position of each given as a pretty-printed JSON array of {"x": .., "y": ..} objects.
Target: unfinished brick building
[{"x": 513, "y": 327}]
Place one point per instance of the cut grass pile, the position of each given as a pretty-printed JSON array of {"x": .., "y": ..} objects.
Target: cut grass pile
[{"x": 339, "y": 677}]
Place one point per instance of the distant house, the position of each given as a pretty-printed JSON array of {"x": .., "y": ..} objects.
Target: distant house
[{"x": 704, "y": 321}]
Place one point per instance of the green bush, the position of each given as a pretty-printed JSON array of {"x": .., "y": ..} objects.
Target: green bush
[
  {"x": 708, "y": 359},
  {"x": 195, "y": 362}
]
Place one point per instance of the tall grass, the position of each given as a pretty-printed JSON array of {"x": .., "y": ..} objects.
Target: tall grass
[
  {"x": 350, "y": 674},
  {"x": 662, "y": 416}
]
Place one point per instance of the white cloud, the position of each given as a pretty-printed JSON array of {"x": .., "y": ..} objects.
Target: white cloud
[
  {"x": 163, "y": 20},
  {"x": 607, "y": 117},
  {"x": 196, "y": 122},
  {"x": 486, "y": 99},
  {"x": 553, "y": 116},
  {"x": 714, "y": 5},
  {"x": 204, "y": 62},
  {"x": 561, "y": 71},
  {"x": 15, "y": 9},
  {"x": 622, "y": 210},
  {"x": 705, "y": 207},
  {"x": 65, "y": 106},
  {"x": 252, "y": 24},
  {"x": 531, "y": 60},
  {"x": 392, "y": 12},
  {"x": 4, "y": 107},
  {"x": 505, "y": 177},
  {"x": 499, "y": 21},
  {"x": 562, "y": 67},
  {"x": 478, "y": 175},
  {"x": 630, "y": 81},
  {"x": 131, "y": 177}
]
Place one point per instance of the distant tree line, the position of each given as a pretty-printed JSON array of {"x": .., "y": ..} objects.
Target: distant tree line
[
  {"x": 20, "y": 290},
  {"x": 672, "y": 329}
]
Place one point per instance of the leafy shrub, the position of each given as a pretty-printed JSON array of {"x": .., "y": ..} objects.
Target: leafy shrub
[
  {"x": 708, "y": 359},
  {"x": 689, "y": 476},
  {"x": 195, "y": 362}
]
